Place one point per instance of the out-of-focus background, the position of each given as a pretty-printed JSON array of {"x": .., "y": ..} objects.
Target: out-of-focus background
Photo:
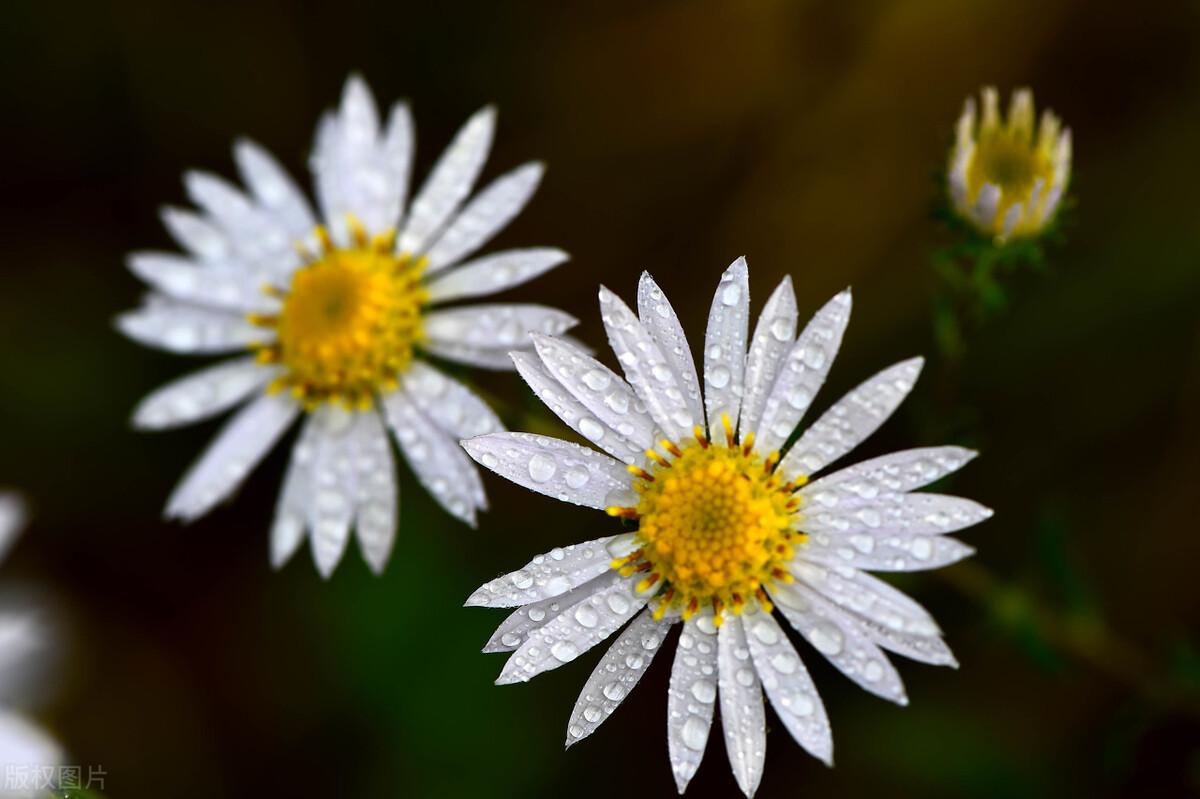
[{"x": 678, "y": 136}]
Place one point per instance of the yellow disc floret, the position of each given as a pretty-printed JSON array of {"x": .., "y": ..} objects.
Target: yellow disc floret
[
  {"x": 349, "y": 321},
  {"x": 715, "y": 525}
]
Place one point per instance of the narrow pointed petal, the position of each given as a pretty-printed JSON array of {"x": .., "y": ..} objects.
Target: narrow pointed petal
[
  {"x": 495, "y": 273},
  {"x": 650, "y": 374},
  {"x": 617, "y": 673},
  {"x": 802, "y": 373},
  {"x": 227, "y": 289},
  {"x": 691, "y": 698},
  {"x": 525, "y": 619},
  {"x": 773, "y": 337},
  {"x": 398, "y": 148},
  {"x": 450, "y": 181},
  {"x": 897, "y": 514},
  {"x": 187, "y": 329},
  {"x": 788, "y": 686},
  {"x": 559, "y": 469},
  {"x": 436, "y": 459},
  {"x": 273, "y": 188},
  {"x": 236, "y": 450},
  {"x": 254, "y": 234},
  {"x": 664, "y": 327},
  {"x": 743, "y": 717},
  {"x": 197, "y": 235},
  {"x": 452, "y": 406},
  {"x": 867, "y": 597},
  {"x": 484, "y": 216},
  {"x": 852, "y": 418},
  {"x": 201, "y": 395},
  {"x": 495, "y": 358},
  {"x": 377, "y": 504},
  {"x": 334, "y": 485},
  {"x": 858, "y": 485},
  {"x": 573, "y": 632},
  {"x": 838, "y": 636},
  {"x": 725, "y": 348},
  {"x": 887, "y": 553},
  {"x": 495, "y": 325},
  {"x": 294, "y": 506},
  {"x": 549, "y": 575}
]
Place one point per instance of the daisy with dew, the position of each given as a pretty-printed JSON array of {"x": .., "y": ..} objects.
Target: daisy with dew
[
  {"x": 26, "y": 750},
  {"x": 1008, "y": 176},
  {"x": 734, "y": 528},
  {"x": 334, "y": 312}
]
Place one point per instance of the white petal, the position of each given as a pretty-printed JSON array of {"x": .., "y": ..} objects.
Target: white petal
[
  {"x": 555, "y": 397},
  {"x": 885, "y": 552},
  {"x": 742, "y": 714},
  {"x": 841, "y": 639},
  {"x": 484, "y": 216},
  {"x": 573, "y": 632},
  {"x": 866, "y": 597},
  {"x": 292, "y": 508},
  {"x": 273, "y": 187},
  {"x": 188, "y": 329},
  {"x": 725, "y": 348},
  {"x": 471, "y": 355},
  {"x": 26, "y": 751},
  {"x": 398, "y": 149},
  {"x": 452, "y": 406},
  {"x": 514, "y": 630},
  {"x": 333, "y": 486},
  {"x": 788, "y": 686},
  {"x": 852, "y": 418},
  {"x": 254, "y": 234},
  {"x": 663, "y": 325},
  {"x": 494, "y": 273},
  {"x": 436, "y": 459},
  {"x": 929, "y": 649},
  {"x": 803, "y": 372},
  {"x": 559, "y": 469},
  {"x": 617, "y": 673},
  {"x": 986, "y": 202},
  {"x": 378, "y": 498},
  {"x": 197, "y": 235},
  {"x": 897, "y": 514},
  {"x": 450, "y": 181},
  {"x": 773, "y": 337},
  {"x": 237, "y": 449},
  {"x": 180, "y": 277},
  {"x": 495, "y": 325},
  {"x": 201, "y": 394},
  {"x": 13, "y": 517},
  {"x": 650, "y": 374},
  {"x": 549, "y": 575},
  {"x": 600, "y": 390},
  {"x": 691, "y": 698},
  {"x": 894, "y": 473}
]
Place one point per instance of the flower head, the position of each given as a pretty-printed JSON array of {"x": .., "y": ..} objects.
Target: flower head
[
  {"x": 1008, "y": 176},
  {"x": 336, "y": 310},
  {"x": 732, "y": 524}
]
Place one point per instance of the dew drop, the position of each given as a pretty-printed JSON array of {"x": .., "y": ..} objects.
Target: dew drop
[{"x": 541, "y": 468}]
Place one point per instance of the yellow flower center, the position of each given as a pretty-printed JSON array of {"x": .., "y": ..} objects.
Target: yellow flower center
[
  {"x": 715, "y": 525},
  {"x": 349, "y": 321},
  {"x": 1006, "y": 157}
]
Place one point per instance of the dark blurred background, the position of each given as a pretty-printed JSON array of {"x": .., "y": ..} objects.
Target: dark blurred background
[{"x": 678, "y": 136}]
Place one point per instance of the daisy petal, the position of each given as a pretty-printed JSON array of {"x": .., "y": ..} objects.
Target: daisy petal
[
  {"x": 852, "y": 418},
  {"x": 617, "y": 673},
  {"x": 573, "y": 632},
  {"x": 26, "y": 749},
  {"x": 549, "y": 575},
  {"x": 788, "y": 686},
  {"x": 494, "y": 273},
  {"x": 398, "y": 148},
  {"x": 293, "y": 507},
  {"x": 484, "y": 216},
  {"x": 495, "y": 325},
  {"x": 725, "y": 348},
  {"x": 450, "y": 181},
  {"x": 334, "y": 485},
  {"x": 452, "y": 406},
  {"x": 650, "y": 374},
  {"x": 240, "y": 445},
  {"x": 891, "y": 553},
  {"x": 470, "y": 355},
  {"x": 894, "y": 473},
  {"x": 663, "y": 325},
  {"x": 254, "y": 234},
  {"x": 929, "y": 649},
  {"x": 773, "y": 337},
  {"x": 184, "y": 279},
  {"x": 187, "y": 329},
  {"x": 201, "y": 394},
  {"x": 435, "y": 458},
  {"x": 197, "y": 235},
  {"x": 742, "y": 715},
  {"x": 803, "y": 372},
  {"x": 524, "y": 620},
  {"x": 691, "y": 698},
  {"x": 555, "y": 397},
  {"x": 867, "y": 597},
  {"x": 600, "y": 390},
  {"x": 897, "y": 514},
  {"x": 377, "y": 501},
  {"x": 273, "y": 187},
  {"x": 556, "y": 468},
  {"x": 839, "y": 637}
]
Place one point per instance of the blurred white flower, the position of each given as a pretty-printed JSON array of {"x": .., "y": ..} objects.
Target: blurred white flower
[
  {"x": 1007, "y": 177},
  {"x": 337, "y": 310},
  {"x": 729, "y": 526}
]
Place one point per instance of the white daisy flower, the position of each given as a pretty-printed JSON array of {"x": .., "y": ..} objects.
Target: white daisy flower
[
  {"x": 730, "y": 524},
  {"x": 336, "y": 312},
  {"x": 25, "y": 748},
  {"x": 1007, "y": 177}
]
